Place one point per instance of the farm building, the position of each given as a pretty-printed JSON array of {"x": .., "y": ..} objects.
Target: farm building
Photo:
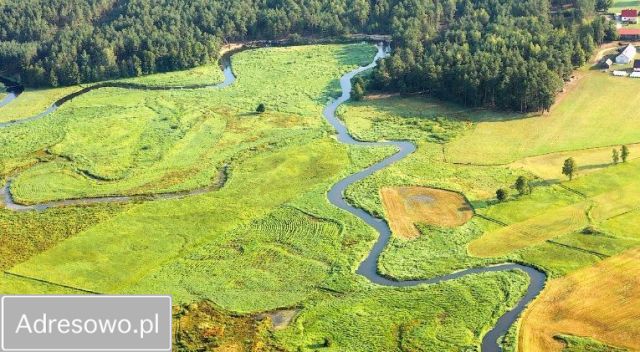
[
  {"x": 628, "y": 54},
  {"x": 629, "y": 16},
  {"x": 629, "y": 33},
  {"x": 607, "y": 63}
]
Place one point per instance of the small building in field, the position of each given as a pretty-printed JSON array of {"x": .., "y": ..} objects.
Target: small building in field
[
  {"x": 629, "y": 16},
  {"x": 627, "y": 55},
  {"x": 629, "y": 33},
  {"x": 607, "y": 63}
]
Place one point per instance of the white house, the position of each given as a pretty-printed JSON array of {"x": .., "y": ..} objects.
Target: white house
[{"x": 627, "y": 55}]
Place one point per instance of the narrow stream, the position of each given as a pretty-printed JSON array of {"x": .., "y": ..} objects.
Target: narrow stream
[
  {"x": 369, "y": 267},
  {"x": 13, "y": 90},
  {"x": 229, "y": 78},
  {"x": 9, "y": 201}
]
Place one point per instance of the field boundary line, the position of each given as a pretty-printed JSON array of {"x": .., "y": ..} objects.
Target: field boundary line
[
  {"x": 495, "y": 221},
  {"x": 24, "y": 277},
  {"x": 597, "y": 254}
]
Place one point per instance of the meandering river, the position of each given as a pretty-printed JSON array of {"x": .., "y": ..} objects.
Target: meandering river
[{"x": 368, "y": 268}]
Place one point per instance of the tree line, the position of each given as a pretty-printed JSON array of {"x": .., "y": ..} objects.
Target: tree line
[
  {"x": 507, "y": 54},
  {"x": 63, "y": 42}
]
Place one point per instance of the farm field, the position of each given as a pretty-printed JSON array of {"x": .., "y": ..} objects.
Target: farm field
[
  {"x": 600, "y": 302},
  {"x": 406, "y": 206},
  {"x": 505, "y": 141}
]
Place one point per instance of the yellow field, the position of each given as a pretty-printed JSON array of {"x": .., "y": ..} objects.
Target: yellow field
[
  {"x": 549, "y": 166},
  {"x": 530, "y": 232},
  {"x": 601, "y": 302},
  {"x": 406, "y": 206}
]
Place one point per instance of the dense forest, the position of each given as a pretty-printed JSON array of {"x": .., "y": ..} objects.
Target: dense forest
[
  {"x": 511, "y": 54},
  {"x": 64, "y": 42}
]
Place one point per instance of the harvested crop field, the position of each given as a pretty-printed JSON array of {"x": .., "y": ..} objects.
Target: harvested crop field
[
  {"x": 406, "y": 206},
  {"x": 601, "y": 302}
]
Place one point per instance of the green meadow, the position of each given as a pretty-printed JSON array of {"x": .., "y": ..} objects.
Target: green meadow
[
  {"x": 202, "y": 75},
  {"x": 588, "y": 115},
  {"x": 619, "y": 5}
]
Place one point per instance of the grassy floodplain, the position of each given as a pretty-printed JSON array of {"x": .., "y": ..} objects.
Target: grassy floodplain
[
  {"x": 267, "y": 239},
  {"x": 202, "y": 75},
  {"x": 33, "y": 102}
]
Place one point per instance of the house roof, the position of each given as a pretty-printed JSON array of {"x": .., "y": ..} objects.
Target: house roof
[
  {"x": 629, "y": 31},
  {"x": 629, "y": 13},
  {"x": 629, "y": 52}
]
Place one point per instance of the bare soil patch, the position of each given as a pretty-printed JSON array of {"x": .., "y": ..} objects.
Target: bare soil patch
[{"x": 406, "y": 206}]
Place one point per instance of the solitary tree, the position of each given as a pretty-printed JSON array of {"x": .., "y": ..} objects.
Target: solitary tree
[
  {"x": 615, "y": 156},
  {"x": 523, "y": 186},
  {"x": 624, "y": 153},
  {"x": 603, "y": 5},
  {"x": 501, "y": 194},
  {"x": 569, "y": 168},
  {"x": 261, "y": 108}
]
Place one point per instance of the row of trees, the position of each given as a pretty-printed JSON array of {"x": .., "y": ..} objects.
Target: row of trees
[
  {"x": 569, "y": 168},
  {"x": 508, "y": 54},
  {"x": 61, "y": 42}
]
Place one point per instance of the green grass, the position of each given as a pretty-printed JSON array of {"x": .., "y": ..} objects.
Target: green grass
[
  {"x": 450, "y": 316},
  {"x": 279, "y": 161},
  {"x": 202, "y": 75},
  {"x": 551, "y": 212},
  {"x": 438, "y": 251},
  {"x": 590, "y": 115},
  {"x": 176, "y": 140},
  {"x": 398, "y": 118},
  {"x": 619, "y": 5},
  {"x": 27, "y": 234},
  {"x": 33, "y": 102},
  {"x": 581, "y": 344}
]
